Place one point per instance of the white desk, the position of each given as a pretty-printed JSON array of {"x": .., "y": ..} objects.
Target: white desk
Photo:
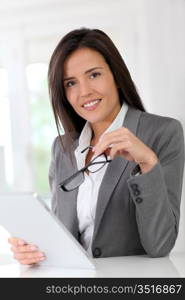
[{"x": 126, "y": 266}]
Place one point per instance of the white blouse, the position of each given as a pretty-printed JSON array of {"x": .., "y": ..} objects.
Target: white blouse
[{"x": 88, "y": 190}]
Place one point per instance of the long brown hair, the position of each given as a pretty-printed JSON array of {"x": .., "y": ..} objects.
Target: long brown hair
[{"x": 64, "y": 114}]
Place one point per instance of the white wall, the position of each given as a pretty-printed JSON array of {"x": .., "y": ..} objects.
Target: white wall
[{"x": 149, "y": 33}]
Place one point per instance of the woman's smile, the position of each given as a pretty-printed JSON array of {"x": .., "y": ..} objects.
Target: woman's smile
[{"x": 91, "y": 105}]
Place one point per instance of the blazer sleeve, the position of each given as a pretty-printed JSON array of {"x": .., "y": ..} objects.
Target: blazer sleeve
[{"x": 157, "y": 193}]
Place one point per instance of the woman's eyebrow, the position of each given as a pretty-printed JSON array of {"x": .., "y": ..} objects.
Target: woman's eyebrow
[
  {"x": 86, "y": 72},
  {"x": 92, "y": 69}
]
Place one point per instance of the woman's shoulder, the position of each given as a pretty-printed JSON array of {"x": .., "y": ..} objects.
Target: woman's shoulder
[
  {"x": 159, "y": 122},
  {"x": 159, "y": 131}
]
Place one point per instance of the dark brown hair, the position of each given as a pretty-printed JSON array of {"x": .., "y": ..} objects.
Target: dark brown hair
[{"x": 64, "y": 114}]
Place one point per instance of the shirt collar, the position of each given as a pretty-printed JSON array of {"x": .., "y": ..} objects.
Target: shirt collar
[{"x": 118, "y": 121}]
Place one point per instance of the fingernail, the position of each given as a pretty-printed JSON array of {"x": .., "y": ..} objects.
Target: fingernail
[
  {"x": 20, "y": 242},
  {"x": 41, "y": 254},
  {"x": 33, "y": 248},
  {"x": 42, "y": 258}
]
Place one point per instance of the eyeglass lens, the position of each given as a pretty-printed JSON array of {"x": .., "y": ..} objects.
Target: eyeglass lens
[
  {"x": 74, "y": 182},
  {"x": 97, "y": 163}
]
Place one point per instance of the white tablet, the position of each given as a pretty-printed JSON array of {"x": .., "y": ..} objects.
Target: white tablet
[{"x": 26, "y": 216}]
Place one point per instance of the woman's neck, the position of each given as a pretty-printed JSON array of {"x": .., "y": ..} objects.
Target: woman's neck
[{"x": 98, "y": 130}]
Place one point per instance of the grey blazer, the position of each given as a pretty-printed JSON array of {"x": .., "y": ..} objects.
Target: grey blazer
[{"x": 134, "y": 214}]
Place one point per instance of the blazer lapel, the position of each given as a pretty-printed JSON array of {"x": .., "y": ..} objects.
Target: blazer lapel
[
  {"x": 114, "y": 170},
  {"x": 68, "y": 200}
]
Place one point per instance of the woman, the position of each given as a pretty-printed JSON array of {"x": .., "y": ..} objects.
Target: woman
[{"x": 116, "y": 173}]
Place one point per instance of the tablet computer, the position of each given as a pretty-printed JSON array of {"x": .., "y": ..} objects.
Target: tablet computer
[{"x": 27, "y": 217}]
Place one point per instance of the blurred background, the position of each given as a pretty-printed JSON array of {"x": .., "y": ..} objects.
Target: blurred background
[{"x": 150, "y": 34}]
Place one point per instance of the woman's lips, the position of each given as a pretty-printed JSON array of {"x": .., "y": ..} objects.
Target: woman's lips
[{"x": 92, "y": 105}]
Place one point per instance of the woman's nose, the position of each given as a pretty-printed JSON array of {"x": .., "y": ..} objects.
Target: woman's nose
[{"x": 85, "y": 89}]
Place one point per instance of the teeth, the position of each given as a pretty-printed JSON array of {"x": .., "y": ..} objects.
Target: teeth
[{"x": 91, "y": 103}]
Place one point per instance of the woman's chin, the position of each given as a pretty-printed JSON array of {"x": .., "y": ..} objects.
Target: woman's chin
[{"x": 94, "y": 120}]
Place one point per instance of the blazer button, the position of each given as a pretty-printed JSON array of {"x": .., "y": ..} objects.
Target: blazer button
[
  {"x": 139, "y": 200},
  {"x": 134, "y": 186},
  {"x": 136, "y": 193},
  {"x": 97, "y": 252}
]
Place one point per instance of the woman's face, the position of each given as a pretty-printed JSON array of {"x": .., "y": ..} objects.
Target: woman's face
[{"x": 90, "y": 87}]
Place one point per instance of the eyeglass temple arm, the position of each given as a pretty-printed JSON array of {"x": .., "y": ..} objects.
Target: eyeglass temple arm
[
  {"x": 100, "y": 162},
  {"x": 89, "y": 147}
]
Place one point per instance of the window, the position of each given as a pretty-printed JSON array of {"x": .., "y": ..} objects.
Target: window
[
  {"x": 42, "y": 122},
  {"x": 6, "y": 170}
]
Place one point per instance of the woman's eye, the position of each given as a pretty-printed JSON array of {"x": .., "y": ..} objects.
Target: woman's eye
[
  {"x": 69, "y": 84},
  {"x": 95, "y": 74}
]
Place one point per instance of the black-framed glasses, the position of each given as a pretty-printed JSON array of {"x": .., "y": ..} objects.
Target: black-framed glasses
[{"x": 77, "y": 178}]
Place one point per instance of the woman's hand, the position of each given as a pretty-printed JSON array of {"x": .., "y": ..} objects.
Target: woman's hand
[
  {"x": 26, "y": 254},
  {"x": 122, "y": 142}
]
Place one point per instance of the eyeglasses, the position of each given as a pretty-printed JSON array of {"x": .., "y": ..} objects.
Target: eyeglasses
[{"x": 77, "y": 178}]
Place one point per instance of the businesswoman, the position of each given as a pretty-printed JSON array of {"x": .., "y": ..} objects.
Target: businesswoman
[{"x": 116, "y": 173}]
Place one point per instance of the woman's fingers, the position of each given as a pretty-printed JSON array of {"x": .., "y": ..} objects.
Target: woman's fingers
[
  {"x": 26, "y": 248},
  {"x": 28, "y": 255},
  {"x": 121, "y": 149},
  {"x": 105, "y": 145},
  {"x": 30, "y": 261},
  {"x": 32, "y": 257},
  {"x": 16, "y": 241},
  {"x": 112, "y": 138},
  {"x": 25, "y": 253}
]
